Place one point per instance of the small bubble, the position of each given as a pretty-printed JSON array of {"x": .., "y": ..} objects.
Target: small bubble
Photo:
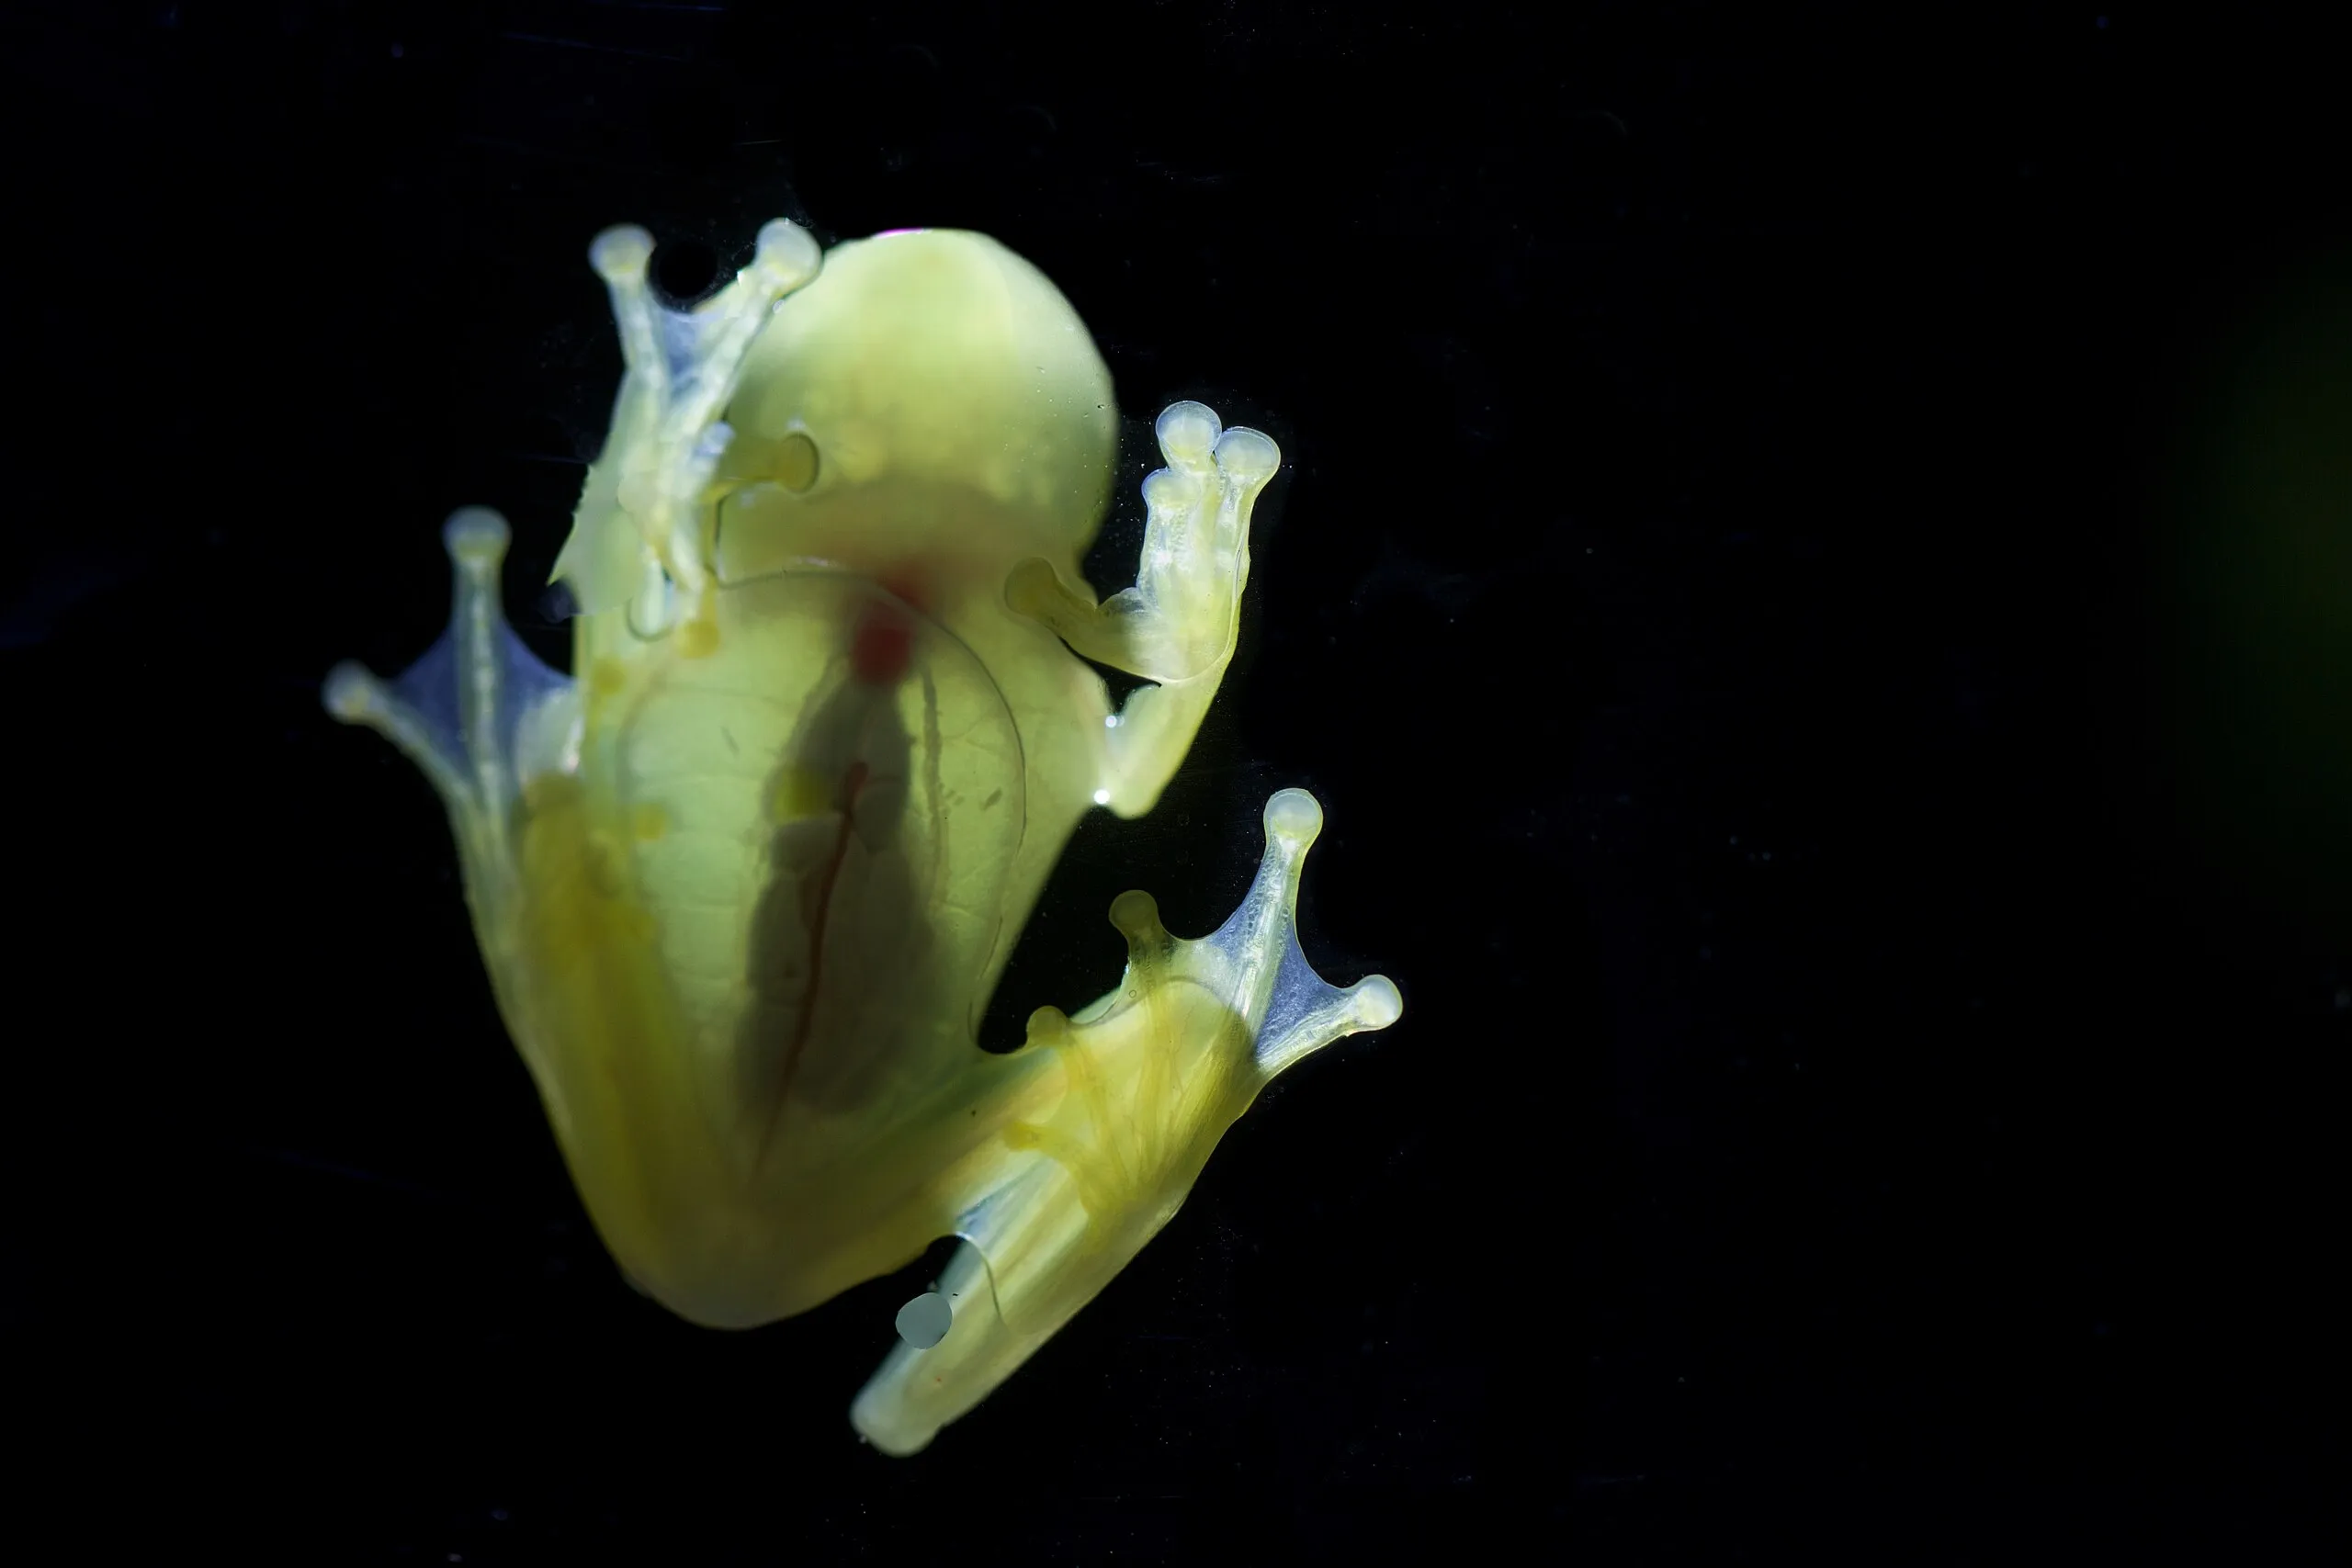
[{"x": 796, "y": 462}]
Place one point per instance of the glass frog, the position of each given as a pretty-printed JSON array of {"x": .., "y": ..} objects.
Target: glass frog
[{"x": 745, "y": 881}]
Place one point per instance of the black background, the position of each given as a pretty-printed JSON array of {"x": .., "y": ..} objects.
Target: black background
[{"x": 1809, "y": 578}]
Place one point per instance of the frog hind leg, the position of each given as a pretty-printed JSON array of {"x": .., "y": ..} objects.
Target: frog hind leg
[{"x": 1106, "y": 1149}]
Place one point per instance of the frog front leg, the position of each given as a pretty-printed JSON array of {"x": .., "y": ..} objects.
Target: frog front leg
[
  {"x": 1176, "y": 626},
  {"x": 1096, "y": 1149}
]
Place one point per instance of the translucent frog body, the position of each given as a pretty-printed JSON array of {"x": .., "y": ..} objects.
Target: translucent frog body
[{"x": 744, "y": 883}]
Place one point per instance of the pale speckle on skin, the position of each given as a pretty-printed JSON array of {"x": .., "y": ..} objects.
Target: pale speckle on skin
[{"x": 924, "y": 1321}]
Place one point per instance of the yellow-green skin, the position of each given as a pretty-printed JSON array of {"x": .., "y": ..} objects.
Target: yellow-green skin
[{"x": 744, "y": 885}]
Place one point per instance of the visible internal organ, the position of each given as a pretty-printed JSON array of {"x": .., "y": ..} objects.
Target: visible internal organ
[
  {"x": 879, "y": 649},
  {"x": 836, "y": 930}
]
